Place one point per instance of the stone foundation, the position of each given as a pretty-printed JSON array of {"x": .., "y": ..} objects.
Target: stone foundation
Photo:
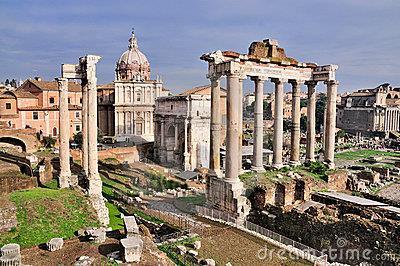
[
  {"x": 8, "y": 218},
  {"x": 99, "y": 205},
  {"x": 226, "y": 195}
]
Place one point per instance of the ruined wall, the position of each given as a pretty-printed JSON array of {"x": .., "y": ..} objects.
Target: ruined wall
[
  {"x": 16, "y": 182},
  {"x": 8, "y": 218},
  {"x": 359, "y": 232},
  {"x": 337, "y": 180}
]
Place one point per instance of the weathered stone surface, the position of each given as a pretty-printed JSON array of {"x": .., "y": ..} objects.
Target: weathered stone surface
[
  {"x": 181, "y": 250},
  {"x": 197, "y": 244},
  {"x": 10, "y": 249},
  {"x": 133, "y": 247},
  {"x": 10, "y": 260},
  {"x": 193, "y": 253},
  {"x": 55, "y": 244},
  {"x": 99, "y": 235},
  {"x": 84, "y": 261},
  {"x": 207, "y": 262},
  {"x": 8, "y": 218},
  {"x": 130, "y": 225}
]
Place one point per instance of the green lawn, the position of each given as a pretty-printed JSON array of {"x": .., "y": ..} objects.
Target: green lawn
[
  {"x": 195, "y": 200},
  {"x": 363, "y": 154},
  {"x": 44, "y": 213},
  {"x": 116, "y": 221}
]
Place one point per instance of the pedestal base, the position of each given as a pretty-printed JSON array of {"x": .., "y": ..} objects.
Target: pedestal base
[
  {"x": 277, "y": 165},
  {"x": 99, "y": 205},
  {"x": 227, "y": 196},
  {"x": 258, "y": 169},
  {"x": 295, "y": 163}
]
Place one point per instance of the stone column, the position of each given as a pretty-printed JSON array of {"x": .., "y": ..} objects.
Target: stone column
[
  {"x": 215, "y": 127},
  {"x": 65, "y": 170},
  {"x": 85, "y": 154},
  {"x": 95, "y": 183},
  {"x": 176, "y": 136},
  {"x": 330, "y": 122},
  {"x": 310, "y": 148},
  {"x": 163, "y": 156},
  {"x": 278, "y": 123},
  {"x": 258, "y": 126},
  {"x": 240, "y": 156},
  {"x": 295, "y": 133},
  {"x": 186, "y": 152},
  {"x": 232, "y": 134}
]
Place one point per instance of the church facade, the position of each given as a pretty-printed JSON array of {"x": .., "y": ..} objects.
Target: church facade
[{"x": 134, "y": 97}]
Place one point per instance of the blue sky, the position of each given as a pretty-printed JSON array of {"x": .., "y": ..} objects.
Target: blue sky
[{"x": 361, "y": 36}]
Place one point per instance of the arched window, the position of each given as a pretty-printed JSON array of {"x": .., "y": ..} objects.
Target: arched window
[
  {"x": 54, "y": 131},
  {"x": 138, "y": 97}
]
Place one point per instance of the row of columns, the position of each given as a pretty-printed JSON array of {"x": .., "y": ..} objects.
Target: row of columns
[
  {"x": 392, "y": 120},
  {"x": 234, "y": 122},
  {"x": 89, "y": 129}
]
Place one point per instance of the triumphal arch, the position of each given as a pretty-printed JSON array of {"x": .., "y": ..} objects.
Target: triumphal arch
[{"x": 265, "y": 61}]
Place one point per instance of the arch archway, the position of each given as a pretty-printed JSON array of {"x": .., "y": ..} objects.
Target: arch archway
[{"x": 14, "y": 141}]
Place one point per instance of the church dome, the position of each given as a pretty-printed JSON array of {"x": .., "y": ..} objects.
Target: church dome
[{"x": 133, "y": 64}]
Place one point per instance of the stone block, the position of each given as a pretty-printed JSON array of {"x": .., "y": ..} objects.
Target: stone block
[
  {"x": 181, "y": 250},
  {"x": 197, "y": 244},
  {"x": 10, "y": 249},
  {"x": 84, "y": 261},
  {"x": 207, "y": 262},
  {"x": 99, "y": 235},
  {"x": 193, "y": 253},
  {"x": 130, "y": 225},
  {"x": 55, "y": 244},
  {"x": 10, "y": 260},
  {"x": 133, "y": 247}
]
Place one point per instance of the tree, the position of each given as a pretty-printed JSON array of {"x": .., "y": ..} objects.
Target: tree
[
  {"x": 78, "y": 139},
  {"x": 287, "y": 124},
  {"x": 48, "y": 142},
  {"x": 267, "y": 112},
  {"x": 303, "y": 103},
  {"x": 7, "y": 82},
  {"x": 303, "y": 123},
  {"x": 13, "y": 83}
]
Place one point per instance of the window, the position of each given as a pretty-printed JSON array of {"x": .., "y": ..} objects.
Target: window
[
  {"x": 198, "y": 113},
  {"x": 35, "y": 115},
  {"x": 69, "y": 100},
  {"x": 172, "y": 107},
  {"x": 77, "y": 114},
  {"x": 77, "y": 128},
  {"x": 80, "y": 100},
  {"x": 8, "y": 106},
  {"x": 138, "y": 98},
  {"x": 51, "y": 99}
]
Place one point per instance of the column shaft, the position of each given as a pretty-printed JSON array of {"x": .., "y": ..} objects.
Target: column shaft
[
  {"x": 85, "y": 154},
  {"x": 295, "y": 133},
  {"x": 65, "y": 170},
  {"x": 215, "y": 127},
  {"x": 232, "y": 136},
  {"x": 258, "y": 126},
  {"x": 330, "y": 122},
  {"x": 240, "y": 154},
  {"x": 310, "y": 149},
  {"x": 278, "y": 124},
  {"x": 95, "y": 184}
]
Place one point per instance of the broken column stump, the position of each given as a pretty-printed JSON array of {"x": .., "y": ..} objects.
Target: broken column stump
[
  {"x": 55, "y": 244},
  {"x": 10, "y": 255},
  {"x": 133, "y": 247},
  {"x": 130, "y": 225}
]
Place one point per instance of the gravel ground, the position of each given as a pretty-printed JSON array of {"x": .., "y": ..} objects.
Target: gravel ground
[
  {"x": 227, "y": 244},
  {"x": 391, "y": 192}
]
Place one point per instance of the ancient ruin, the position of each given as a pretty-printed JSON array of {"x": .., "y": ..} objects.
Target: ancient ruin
[
  {"x": 86, "y": 72},
  {"x": 264, "y": 61}
]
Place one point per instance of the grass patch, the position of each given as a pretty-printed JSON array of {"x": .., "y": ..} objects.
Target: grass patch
[
  {"x": 364, "y": 154},
  {"x": 46, "y": 213},
  {"x": 195, "y": 200},
  {"x": 147, "y": 217},
  {"x": 159, "y": 182},
  {"x": 116, "y": 222},
  {"x": 52, "y": 184}
]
